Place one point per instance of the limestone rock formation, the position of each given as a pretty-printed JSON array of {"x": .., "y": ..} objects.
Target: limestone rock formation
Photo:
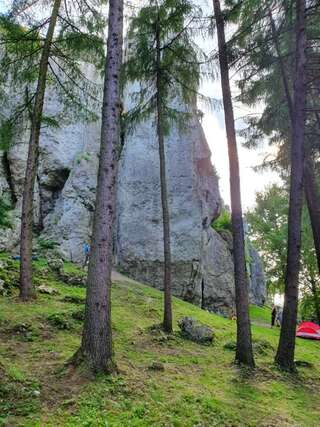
[
  {"x": 65, "y": 195},
  {"x": 194, "y": 201},
  {"x": 258, "y": 289}
]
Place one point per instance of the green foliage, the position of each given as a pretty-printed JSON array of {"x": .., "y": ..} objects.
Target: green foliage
[
  {"x": 179, "y": 72},
  {"x": 307, "y": 307},
  {"x": 45, "y": 244},
  {"x": 4, "y": 213},
  {"x": 268, "y": 230},
  {"x": 78, "y": 40},
  {"x": 223, "y": 222},
  {"x": 6, "y": 129},
  {"x": 257, "y": 55}
]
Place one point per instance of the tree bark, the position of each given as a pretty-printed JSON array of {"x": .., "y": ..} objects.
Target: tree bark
[
  {"x": 26, "y": 287},
  {"x": 312, "y": 198},
  {"x": 244, "y": 353},
  {"x": 310, "y": 186},
  {"x": 96, "y": 346},
  {"x": 167, "y": 314},
  {"x": 285, "y": 354}
]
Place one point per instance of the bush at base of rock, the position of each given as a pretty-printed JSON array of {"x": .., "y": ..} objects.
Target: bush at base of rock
[{"x": 195, "y": 331}]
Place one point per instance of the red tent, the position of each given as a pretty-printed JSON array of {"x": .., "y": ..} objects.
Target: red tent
[{"x": 308, "y": 330}]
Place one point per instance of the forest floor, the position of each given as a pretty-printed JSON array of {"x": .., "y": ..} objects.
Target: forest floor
[{"x": 162, "y": 381}]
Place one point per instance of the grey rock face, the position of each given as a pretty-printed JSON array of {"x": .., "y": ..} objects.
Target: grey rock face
[
  {"x": 202, "y": 269},
  {"x": 195, "y": 331},
  {"x": 258, "y": 289}
]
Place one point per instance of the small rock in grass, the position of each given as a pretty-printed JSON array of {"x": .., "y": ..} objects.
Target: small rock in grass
[
  {"x": 43, "y": 289},
  {"x": 195, "y": 331},
  {"x": 303, "y": 364},
  {"x": 156, "y": 366}
]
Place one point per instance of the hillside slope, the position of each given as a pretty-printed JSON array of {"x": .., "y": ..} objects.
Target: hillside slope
[{"x": 198, "y": 386}]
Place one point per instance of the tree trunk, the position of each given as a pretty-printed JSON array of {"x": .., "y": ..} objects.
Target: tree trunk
[
  {"x": 167, "y": 315},
  {"x": 310, "y": 186},
  {"x": 96, "y": 347},
  {"x": 311, "y": 193},
  {"x": 244, "y": 354},
  {"x": 26, "y": 286},
  {"x": 286, "y": 348}
]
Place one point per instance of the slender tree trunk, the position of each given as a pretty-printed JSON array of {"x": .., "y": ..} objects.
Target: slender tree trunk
[
  {"x": 313, "y": 203},
  {"x": 167, "y": 316},
  {"x": 96, "y": 346},
  {"x": 244, "y": 353},
  {"x": 26, "y": 286},
  {"x": 285, "y": 354},
  {"x": 310, "y": 186}
]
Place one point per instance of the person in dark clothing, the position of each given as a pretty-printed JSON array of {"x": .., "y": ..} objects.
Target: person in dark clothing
[
  {"x": 86, "y": 251},
  {"x": 273, "y": 315}
]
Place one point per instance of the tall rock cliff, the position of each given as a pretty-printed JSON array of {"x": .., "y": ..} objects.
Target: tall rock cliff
[{"x": 64, "y": 203}]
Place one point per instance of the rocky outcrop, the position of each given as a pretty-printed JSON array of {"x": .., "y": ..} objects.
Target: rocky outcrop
[
  {"x": 202, "y": 269},
  {"x": 258, "y": 290}
]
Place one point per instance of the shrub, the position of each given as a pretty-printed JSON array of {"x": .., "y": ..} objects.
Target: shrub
[{"x": 223, "y": 222}]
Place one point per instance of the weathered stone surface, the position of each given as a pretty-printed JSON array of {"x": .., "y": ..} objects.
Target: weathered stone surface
[
  {"x": 195, "y": 331},
  {"x": 258, "y": 290},
  {"x": 55, "y": 264},
  {"x": 217, "y": 274},
  {"x": 43, "y": 289},
  {"x": 202, "y": 269}
]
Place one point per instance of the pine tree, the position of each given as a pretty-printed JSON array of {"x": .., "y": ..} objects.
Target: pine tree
[
  {"x": 26, "y": 287},
  {"x": 96, "y": 347},
  {"x": 244, "y": 352},
  {"x": 267, "y": 59},
  {"x": 286, "y": 348},
  {"x": 29, "y": 60},
  {"x": 162, "y": 57}
]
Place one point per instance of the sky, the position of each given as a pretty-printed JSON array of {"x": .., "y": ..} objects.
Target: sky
[{"x": 214, "y": 128}]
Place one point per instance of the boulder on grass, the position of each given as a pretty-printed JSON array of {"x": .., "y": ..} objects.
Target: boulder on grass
[
  {"x": 55, "y": 265},
  {"x": 195, "y": 331},
  {"x": 43, "y": 289}
]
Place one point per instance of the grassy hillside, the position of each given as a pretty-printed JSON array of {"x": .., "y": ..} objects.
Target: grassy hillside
[{"x": 199, "y": 385}]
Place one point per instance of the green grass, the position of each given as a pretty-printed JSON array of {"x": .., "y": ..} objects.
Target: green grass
[
  {"x": 200, "y": 385},
  {"x": 260, "y": 315}
]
